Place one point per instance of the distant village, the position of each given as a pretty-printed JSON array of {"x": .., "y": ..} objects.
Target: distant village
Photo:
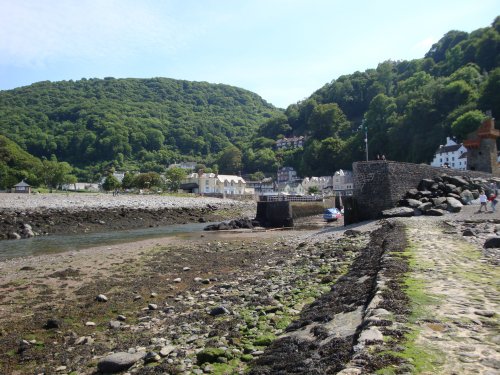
[{"x": 286, "y": 183}]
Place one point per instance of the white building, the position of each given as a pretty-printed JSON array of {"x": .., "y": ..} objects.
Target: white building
[
  {"x": 315, "y": 182},
  {"x": 286, "y": 174},
  {"x": 286, "y": 143},
  {"x": 451, "y": 154},
  {"x": 211, "y": 183},
  {"x": 184, "y": 165}
]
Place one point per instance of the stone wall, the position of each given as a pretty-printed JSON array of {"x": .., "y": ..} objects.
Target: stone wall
[{"x": 379, "y": 185}]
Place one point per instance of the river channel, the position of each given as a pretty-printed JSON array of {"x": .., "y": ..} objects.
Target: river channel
[{"x": 60, "y": 243}]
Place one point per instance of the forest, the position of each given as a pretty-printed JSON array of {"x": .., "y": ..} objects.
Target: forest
[{"x": 407, "y": 108}]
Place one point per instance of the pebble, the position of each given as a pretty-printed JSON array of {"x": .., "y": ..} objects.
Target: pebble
[
  {"x": 90, "y": 324},
  {"x": 101, "y": 298},
  {"x": 177, "y": 280},
  {"x": 152, "y": 306}
]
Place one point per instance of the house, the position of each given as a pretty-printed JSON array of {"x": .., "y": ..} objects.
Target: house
[
  {"x": 189, "y": 165},
  {"x": 262, "y": 187},
  {"x": 22, "y": 188},
  {"x": 80, "y": 186},
  {"x": 286, "y": 174},
  {"x": 286, "y": 143},
  {"x": 211, "y": 183},
  {"x": 451, "y": 155},
  {"x": 319, "y": 183},
  {"x": 291, "y": 188},
  {"x": 341, "y": 183}
]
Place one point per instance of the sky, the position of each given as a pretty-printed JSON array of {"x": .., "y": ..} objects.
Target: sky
[{"x": 283, "y": 50}]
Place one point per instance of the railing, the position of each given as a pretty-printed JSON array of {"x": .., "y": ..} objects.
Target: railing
[{"x": 290, "y": 198}]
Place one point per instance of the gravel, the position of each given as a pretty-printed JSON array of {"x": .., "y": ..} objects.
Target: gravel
[{"x": 87, "y": 201}]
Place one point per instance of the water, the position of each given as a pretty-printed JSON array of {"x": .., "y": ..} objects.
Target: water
[{"x": 61, "y": 243}]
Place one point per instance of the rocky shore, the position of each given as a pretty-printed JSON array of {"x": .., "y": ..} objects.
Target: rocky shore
[
  {"x": 406, "y": 295},
  {"x": 23, "y": 216}
]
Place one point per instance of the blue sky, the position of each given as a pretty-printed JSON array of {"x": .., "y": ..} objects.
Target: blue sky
[{"x": 281, "y": 49}]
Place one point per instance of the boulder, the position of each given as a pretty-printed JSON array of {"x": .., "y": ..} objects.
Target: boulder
[
  {"x": 399, "y": 212},
  {"x": 413, "y": 203},
  {"x": 454, "y": 204},
  {"x": 435, "y": 212},
  {"x": 425, "y": 206},
  {"x": 492, "y": 242},
  {"x": 438, "y": 201},
  {"x": 449, "y": 188},
  {"x": 221, "y": 310},
  {"x": 413, "y": 194},
  {"x": 425, "y": 184},
  {"x": 119, "y": 362},
  {"x": 468, "y": 233},
  {"x": 456, "y": 180}
]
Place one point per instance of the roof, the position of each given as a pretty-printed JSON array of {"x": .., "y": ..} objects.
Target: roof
[
  {"x": 463, "y": 156},
  {"x": 446, "y": 149},
  {"x": 230, "y": 178},
  {"x": 22, "y": 184}
]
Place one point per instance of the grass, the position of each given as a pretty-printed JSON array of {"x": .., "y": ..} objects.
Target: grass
[{"x": 421, "y": 359}]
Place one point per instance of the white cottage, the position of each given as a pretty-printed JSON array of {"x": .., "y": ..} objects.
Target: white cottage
[
  {"x": 212, "y": 183},
  {"x": 451, "y": 154}
]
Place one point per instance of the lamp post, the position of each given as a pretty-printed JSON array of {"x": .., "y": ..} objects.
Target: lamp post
[{"x": 365, "y": 128}]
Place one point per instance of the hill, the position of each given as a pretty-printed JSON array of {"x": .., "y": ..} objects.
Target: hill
[
  {"x": 130, "y": 122},
  {"x": 16, "y": 164},
  {"x": 407, "y": 107}
]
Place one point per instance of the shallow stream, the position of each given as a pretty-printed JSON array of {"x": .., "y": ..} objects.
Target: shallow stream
[{"x": 60, "y": 243}]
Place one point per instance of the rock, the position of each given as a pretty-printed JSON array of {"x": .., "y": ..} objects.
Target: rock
[
  {"x": 454, "y": 204},
  {"x": 114, "y": 324},
  {"x": 177, "y": 280},
  {"x": 153, "y": 306},
  {"x": 52, "y": 323},
  {"x": 84, "y": 340},
  {"x": 151, "y": 357},
  {"x": 413, "y": 203},
  {"x": 438, "y": 201},
  {"x": 137, "y": 297},
  {"x": 468, "y": 233},
  {"x": 101, "y": 298},
  {"x": 425, "y": 184},
  {"x": 119, "y": 362},
  {"x": 121, "y": 318},
  {"x": 456, "y": 180},
  {"x": 61, "y": 368},
  {"x": 413, "y": 194},
  {"x": 492, "y": 243},
  {"x": 153, "y": 295},
  {"x": 210, "y": 355},
  {"x": 371, "y": 335},
  {"x": 485, "y": 313},
  {"x": 352, "y": 233},
  {"x": 424, "y": 207},
  {"x": 350, "y": 371},
  {"x": 221, "y": 310},
  {"x": 186, "y": 268},
  {"x": 398, "y": 212},
  {"x": 166, "y": 350},
  {"x": 14, "y": 236},
  {"x": 435, "y": 212},
  {"x": 90, "y": 324}
]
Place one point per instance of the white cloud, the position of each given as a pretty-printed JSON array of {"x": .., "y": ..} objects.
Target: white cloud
[{"x": 33, "y": 32}]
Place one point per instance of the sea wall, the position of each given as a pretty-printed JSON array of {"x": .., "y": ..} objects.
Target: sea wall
[{"x": 379, "y": 185}]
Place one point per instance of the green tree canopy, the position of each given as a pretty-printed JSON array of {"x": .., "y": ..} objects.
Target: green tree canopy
[{"x": 174, "y": 177}]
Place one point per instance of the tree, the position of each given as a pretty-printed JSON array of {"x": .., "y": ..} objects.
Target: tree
[
  {"x": 312, "y": 190},
  {"x": 110, "y": 183},
  {"x": 490, "y": 95},
  {"x": 467, "y": 123},
  {"x": 174, "y": 178},
  {"x": 54, "y": 174},
  {"x": 229, "y": 160},
  {"x": 327, "y": 120},
  {"x": 148, "y": 180},
  {"x": 128, "y": 180}
]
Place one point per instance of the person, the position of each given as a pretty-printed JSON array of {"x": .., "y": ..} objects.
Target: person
[
  {"x": 483, "y": 199},
  {"x": 493, "y": 201},
  {"x": 382, "y": 157}
]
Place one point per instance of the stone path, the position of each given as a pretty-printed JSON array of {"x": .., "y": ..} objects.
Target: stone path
[{"x": 461, "y": 329}]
